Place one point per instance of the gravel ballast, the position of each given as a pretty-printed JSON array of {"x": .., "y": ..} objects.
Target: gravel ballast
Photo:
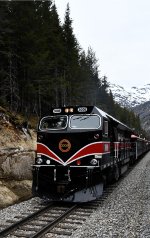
[
  {"x": 18, "y": 209},
  {"x": 125, "y": 213}
]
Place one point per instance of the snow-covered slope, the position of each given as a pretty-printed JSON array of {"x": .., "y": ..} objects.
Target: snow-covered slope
[
  {"x": 137, "y": 99},
  {"x": 130, "y": 98}
]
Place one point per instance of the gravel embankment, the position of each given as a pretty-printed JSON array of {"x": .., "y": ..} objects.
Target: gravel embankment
[
  {"x": 125, "y": 213},
  {"x": 15, "y": 210}
]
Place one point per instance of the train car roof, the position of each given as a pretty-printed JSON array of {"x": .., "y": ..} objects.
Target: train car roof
[{"x": 139, "y": 138}]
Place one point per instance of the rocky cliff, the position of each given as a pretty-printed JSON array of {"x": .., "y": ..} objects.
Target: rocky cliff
[{"x": 17, "y": 153}]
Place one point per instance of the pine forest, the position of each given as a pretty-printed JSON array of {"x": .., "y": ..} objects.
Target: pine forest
[{"x": 42, "y": 64}]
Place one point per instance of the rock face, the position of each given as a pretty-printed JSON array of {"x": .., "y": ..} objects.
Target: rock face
[
  {"x": 7, "y": 197},
  {"x": 13, "y": 137},
  {"x": 17, "y": 149},
  {"x": 17, "y": 153},
  {"x": 15, "y": 176},
  {"x": 12, "y": 191},
  {"x": 17, "y": 165}
]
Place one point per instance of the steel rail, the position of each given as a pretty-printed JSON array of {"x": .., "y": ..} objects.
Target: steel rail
[
  {"x": 23, "y": 221},
  {"x": 52, "y": 224}
]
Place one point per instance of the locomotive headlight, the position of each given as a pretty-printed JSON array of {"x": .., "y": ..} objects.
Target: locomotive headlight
[
  {"x": 39, "y": 161},
  {"x": 93, "y": 162},
  {"x": 66, "y": 110},
  {"x": 71, "y": 109},
  {"x": 48, "y": 161}
]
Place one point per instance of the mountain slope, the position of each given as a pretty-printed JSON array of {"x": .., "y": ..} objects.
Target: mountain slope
[
  {"x": 137, "y": 99},
  {"x": 130, "y": 98},
  {"x": 143, "y": 111}
]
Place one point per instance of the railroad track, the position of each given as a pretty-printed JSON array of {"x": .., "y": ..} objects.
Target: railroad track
[
  {"x": 53, "y": 220},
  {"x": 39, "y": 222},
  {"x": 56, "y": 219}
]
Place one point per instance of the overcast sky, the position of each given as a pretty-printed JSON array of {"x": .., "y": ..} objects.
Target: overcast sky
[{"x": 118, "y": 31}]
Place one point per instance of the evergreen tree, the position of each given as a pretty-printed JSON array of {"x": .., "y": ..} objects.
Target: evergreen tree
[
  {"x": 110, "y": 104},
  {"x": 7, "y": 68},
  {"x": 72, "y": 50},
  {"x": 103, "y": 96},
  {"x": 22, "y": 16},
  {"x": 92, "y": 79}
]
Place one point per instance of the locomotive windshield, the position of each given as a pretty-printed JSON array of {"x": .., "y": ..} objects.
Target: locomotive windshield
[
  {"x": 85, "y": 122},
  {"x": 53, "y": 123},
  {"x": 60, "y": 122}
]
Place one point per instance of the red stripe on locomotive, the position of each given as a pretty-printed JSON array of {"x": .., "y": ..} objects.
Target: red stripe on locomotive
[
  {"x": 91, "y": 149},
  {"x": 44, "y": 150}
]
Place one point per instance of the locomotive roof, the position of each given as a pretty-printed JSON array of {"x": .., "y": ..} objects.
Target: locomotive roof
[{"x": 115, "y": 121}]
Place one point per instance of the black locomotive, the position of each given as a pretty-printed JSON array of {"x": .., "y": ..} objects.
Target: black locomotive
[{"x": 78, "y": 150}]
